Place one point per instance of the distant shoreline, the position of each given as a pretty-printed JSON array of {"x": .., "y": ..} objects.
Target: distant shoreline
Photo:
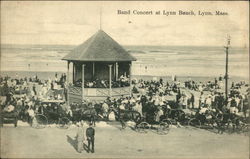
[
  {"x": 152, "y": 61},
  {"x": 51, "y": 74}
]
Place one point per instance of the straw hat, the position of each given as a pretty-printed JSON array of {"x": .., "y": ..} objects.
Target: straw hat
[
  {"x": 78, "y": 124},
  {"x": 82, "y": 122}
]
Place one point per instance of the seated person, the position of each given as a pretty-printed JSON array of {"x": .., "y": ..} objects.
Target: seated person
[
  {"x": 135, "y": 90},
  {"x": 233, "y": 110},
  {"x": 104, "y": 84},
  {"x": 203, "y": 110},
  {"x": 90, "y": 84},
  {"x": 9, "y": 108},
  {"x": 9, "y": 112},
  {"x": 31, "y": 114}
]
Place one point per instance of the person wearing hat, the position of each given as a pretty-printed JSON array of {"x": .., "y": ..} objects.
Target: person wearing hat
[
  {"x": 192, "y": 100},
  {"x": 105, "y": 108},
  {"x": 90, "y": 133},
  {"x": 208, "y": 101},
  {"x": 9, "y": 97},
  {"x": 159, "y": 113},
  {"x": 80, "y": 137},
  {"x": 138, "y": 107}
]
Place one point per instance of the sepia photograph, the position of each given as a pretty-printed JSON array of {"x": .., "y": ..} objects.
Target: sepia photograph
[{"x": 124, "y": 79}]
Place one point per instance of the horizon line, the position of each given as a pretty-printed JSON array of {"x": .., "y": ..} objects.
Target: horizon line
[{"x": 126, "y": 45}]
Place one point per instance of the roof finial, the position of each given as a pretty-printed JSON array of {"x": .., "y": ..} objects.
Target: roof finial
[{"x": 101, "y": 18}]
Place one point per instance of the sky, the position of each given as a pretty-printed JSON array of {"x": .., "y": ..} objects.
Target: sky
[{"x": 71, "y": 23}]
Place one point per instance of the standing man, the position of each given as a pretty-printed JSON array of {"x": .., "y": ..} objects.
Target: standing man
[
  {"x": 202, "y": 100},
  {"x": 34, "y": 89},
  {"x": 192, "y": 100},
  {"x": 90, "y": 133}
]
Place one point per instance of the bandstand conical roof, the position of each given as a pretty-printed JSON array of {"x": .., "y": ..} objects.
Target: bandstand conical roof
[{"x": 99, "y": 47}]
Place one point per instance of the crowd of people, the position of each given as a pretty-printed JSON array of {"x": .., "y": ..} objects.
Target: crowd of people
[
  {"x": 156, "y": 93},
  {"x": 149, "y": 98},
  {"x": 210, "y": 85},
  {"x": 25, "y": 96},
  {"x": 122, "y": 81}
]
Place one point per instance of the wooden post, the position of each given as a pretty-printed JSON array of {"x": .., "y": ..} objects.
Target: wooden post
[
  {"x": 116, "y": 71},
  {"x": 130, "y": 81},
  {"x": 110, "y": 80},
  {"x": 68, "y": 83},
  {"x": 226, "y": 74},
  {"x": 73, "y": 73},
  {"x": 83, "y": 65},
  {"x": 93, "y": 69}
]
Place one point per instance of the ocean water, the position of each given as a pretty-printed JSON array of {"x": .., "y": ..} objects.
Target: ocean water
[{"x": 186, "y": 61}]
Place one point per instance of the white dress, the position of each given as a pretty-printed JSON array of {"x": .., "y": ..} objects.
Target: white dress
[
  {"x": 112, "y": 116},
  {"x": 159, "y": 114}
]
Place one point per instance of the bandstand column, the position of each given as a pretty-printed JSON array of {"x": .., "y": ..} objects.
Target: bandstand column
[
  {"x": 110, "y": 80},
  {"x": 130, "y": 81},
  {"x": 68, "y": 83},
  {"x": 93, "y": 73},
  {"x": 116, "y": 71},
  {"x": 83, "y": 67},
  {"x": 73, "y": 73}
]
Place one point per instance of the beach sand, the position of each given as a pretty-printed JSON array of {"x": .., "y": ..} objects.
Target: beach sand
[{"x": 110, "y": 141}]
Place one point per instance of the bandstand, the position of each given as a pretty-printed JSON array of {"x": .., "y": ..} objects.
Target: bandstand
[{"x": 99, "y": 58}]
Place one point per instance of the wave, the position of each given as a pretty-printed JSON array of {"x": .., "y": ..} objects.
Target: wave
[
  {"x": 136, "y": 51},
  {"x": 36, "y": 48},
  {"x": 164, "y": 51}
]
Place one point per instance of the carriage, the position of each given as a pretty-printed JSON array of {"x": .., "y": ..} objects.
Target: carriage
[
  {"x": 207, "y": 120},
  {"x": 56, "y": 112},
  {"x": 9, "y": 117},
  {"x": 161, "y": 127},
  {"x": 51, "y": 112},
  {"x": 144, "y": 123},
  {"x": 211, "y": 119},
  {"x": 82, "y": 111},
  {"x": 233, "y": 122}
]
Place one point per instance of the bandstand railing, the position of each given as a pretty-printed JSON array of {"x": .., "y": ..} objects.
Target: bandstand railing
[{"x": 75, "y": 93}]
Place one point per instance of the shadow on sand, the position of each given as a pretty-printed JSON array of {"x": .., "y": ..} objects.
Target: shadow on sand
[{"x": 73, "y": 143}]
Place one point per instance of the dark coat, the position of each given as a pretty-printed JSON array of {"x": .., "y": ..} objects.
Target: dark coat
[{"x": 90, "y": 133}]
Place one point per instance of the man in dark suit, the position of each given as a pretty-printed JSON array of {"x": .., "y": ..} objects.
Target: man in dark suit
[
  {"x": 192, "y": 100},
  {"x": 90, "y": 133}
]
